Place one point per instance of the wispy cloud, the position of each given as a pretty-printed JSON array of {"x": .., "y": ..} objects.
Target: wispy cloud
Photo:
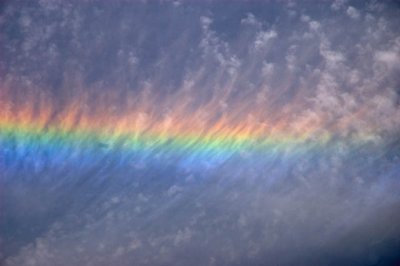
[{"x": 185, "y": 133}]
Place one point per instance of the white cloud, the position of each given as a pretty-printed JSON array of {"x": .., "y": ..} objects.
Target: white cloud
[
  {"x": 314, "y": 25},
  {"x": 251, "y": 20},
  {"x": 353, "y": 12},
  {"x": 183, "y": 236},
  {"x": 205, "y": 21},
  {"x": 390, "y": 58},
  {"x": 338, "y": 4},
  {"x": 267, "y": 69},
  {"x": 264, "y": 37},
  {"x": 305, "y": 18},
  {"x": 174, "y": 190}
]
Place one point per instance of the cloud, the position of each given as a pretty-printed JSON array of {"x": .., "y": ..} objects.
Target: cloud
[
  {"x": 251, "y": 20},
  {"x": 352, "y": 12},
  {"x": 390, "y": 58},
  {"x": 338, "y": 4},
  {"x": 264, "y": 37},
  {"x": 212, "y": 73}
]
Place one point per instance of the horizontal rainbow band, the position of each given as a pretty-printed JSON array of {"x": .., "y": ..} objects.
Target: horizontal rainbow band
[
  {"x": 144, "y": 140},
  {"x": 190, "y": 149},
  {"x": 29, "y": 131}
]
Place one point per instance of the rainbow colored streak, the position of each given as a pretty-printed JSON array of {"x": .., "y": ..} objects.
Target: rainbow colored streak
[{"x": 37, "y": 131}]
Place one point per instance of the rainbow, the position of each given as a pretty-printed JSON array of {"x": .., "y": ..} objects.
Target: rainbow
[{"x": 37, "y": 130}]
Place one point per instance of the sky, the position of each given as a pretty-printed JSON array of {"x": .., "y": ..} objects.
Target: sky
[{"x": 199, "y": 132}]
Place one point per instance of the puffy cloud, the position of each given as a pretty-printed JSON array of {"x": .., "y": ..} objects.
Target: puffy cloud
[
  {"x": 338, "y": 4},
  {"x": 264, "y": 37},
  {"x": 390, "y": 58},
  {"x": 353, "y": 12},
  {"x": 314, "y": 25},
  {"x": 251, "y": 20}
]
